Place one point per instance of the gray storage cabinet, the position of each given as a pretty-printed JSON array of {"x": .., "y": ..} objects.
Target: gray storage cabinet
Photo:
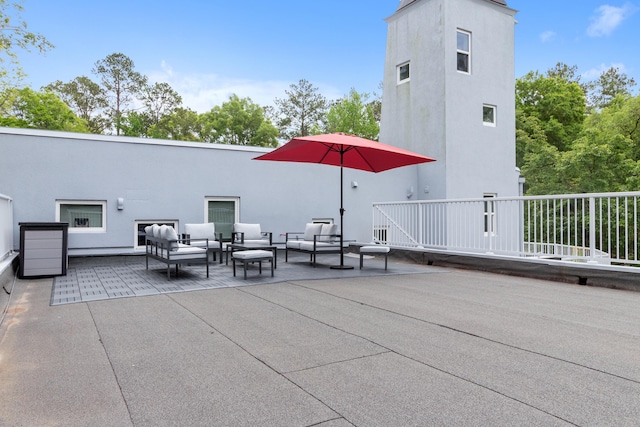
[{"x": 43, "y": 249}]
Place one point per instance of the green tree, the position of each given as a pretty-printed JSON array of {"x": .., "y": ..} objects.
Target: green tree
[
  {"x": 121, "y": 83},
  {"x": 610, "y": 84},
  {"x": 160, "y": 100},
  {"x": 353, "y": 115},
  {"x": 238, "y": 121},
  {"x": 559, "y": 104},
  {"x": 25, "y": 108},
  {"x": 303, "y": 109},
  {"x": 86, "y": 98},
  {"x": 181, "y": 125},
  {"x": 15, "y": 36}
]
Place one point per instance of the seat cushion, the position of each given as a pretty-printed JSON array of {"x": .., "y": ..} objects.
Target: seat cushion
[
  {"x": 377, "y": 249},
  {"x": 311, "y": 230},
  {"x": 253, "y": 254},
  {"x": 320, "y": 246},
  {"x": 201, "y": 231},
  {"x": 251, "y": 231},
  {"x": 293, "y": 244}
]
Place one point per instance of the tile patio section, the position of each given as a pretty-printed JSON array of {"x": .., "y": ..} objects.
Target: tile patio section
[{"x": 98, "y": 278}]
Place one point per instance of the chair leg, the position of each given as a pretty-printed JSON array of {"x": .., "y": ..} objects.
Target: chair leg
[
  {"x": 272, "y": 266},
  {"x": 244, "y": 264},
  {"x": 234, "y": 267},
  {"x": 385, "y": 260}
]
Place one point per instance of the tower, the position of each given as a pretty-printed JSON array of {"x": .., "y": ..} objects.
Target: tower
[{"x": 449, "y": 93}]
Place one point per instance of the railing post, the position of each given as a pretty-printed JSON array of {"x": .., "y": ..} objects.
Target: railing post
[{"x": 592, "y": 230}]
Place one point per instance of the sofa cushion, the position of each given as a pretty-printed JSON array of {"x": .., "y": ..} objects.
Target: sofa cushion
[
  {"x": 148, "y": 230},
  {"x": 201, "y": 231},
  {"x": 155, "y": 228},
  {"x": 328, "y": 232},
  {"x": 169, "y": 233},
  {"x": 251, "y": 231},
  {"x": 311, "y": 229}
]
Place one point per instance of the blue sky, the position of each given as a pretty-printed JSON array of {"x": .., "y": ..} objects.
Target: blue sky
[{"x": 209, "y": 49}]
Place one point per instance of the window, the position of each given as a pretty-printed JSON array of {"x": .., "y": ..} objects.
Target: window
[
  {"x": 82, "y": 216},
  {"x": 223, "y": 212},
  {"x": 489, "y": 215},
  {"x": 464, "y": 51},
  {"x": 403, "y": 73},
  {"x": 489, "y": 115},
  {"x": 139, "y": 226}
]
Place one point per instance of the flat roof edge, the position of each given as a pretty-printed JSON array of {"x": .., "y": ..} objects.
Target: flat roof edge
[{"x": 128, "y": 139}]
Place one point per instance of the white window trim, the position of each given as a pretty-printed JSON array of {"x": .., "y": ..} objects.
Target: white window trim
[
  {"x": 495, "y": 115},
  {"x": 72, "y": 229},
  {"x": 208, "y": 199},
  {"x": 174, "y": 223},
  {"x": 468, "y": 53},
  {"x": 398, "y": 81}
]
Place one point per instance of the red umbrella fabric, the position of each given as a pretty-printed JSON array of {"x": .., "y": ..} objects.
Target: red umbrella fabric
[
  {"x": 349, "y": 151},
  {"x": 357, "y": 153}
]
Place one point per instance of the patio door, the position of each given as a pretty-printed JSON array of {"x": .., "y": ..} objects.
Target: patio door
[{"x": 223, "y": 212}]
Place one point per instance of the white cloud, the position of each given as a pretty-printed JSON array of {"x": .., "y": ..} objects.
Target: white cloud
[
  {"x": 607, "y": 18},
  {"x": 595, "y": 72},
  {"x": 547, "y": 36},
  {"x": 201, "y": 92}
]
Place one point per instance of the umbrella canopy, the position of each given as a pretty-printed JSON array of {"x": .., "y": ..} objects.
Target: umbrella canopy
[{"x": 349, "y": 151}]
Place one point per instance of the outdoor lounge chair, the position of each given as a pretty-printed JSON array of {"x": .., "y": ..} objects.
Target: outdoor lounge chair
[
  {"x": 199, "y": 234},
  {"x": 251, "y": 235}
]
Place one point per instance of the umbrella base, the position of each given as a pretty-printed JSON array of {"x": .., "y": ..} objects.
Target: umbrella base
[{"x": 341, "y": 267}]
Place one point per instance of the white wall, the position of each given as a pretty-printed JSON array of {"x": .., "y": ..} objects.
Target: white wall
[{"x": 170, "y": 180}]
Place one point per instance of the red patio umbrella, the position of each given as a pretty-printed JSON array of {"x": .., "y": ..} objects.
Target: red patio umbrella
[{"x": 339, "y": 149}]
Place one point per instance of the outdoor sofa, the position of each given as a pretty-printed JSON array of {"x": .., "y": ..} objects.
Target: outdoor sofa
[
  {"x": 317, "y": 238},
  {"x": 164, "y": 245},
  {"x": 251, "y": 235}
]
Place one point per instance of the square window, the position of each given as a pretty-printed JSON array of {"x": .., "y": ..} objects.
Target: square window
[
  {"x": 463, "y": 44},
  {"x": 83, "y": 216},
  {"x": 489, "y": 115},
  {"x": 403, "y": 73}
]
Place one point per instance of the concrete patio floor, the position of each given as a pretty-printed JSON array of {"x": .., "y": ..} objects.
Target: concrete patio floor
[{"x": 433, "y": 346}]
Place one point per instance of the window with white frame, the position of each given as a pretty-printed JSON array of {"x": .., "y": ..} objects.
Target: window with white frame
[
  {"x": 223, "y": 212},
  {"x": 489, "y": 115},
  {"x": 403, "y": 72},
  {"x": 83, "y": 216},
  {"x": 464, "y": 51},
  {"x": 489, "y": 214}
]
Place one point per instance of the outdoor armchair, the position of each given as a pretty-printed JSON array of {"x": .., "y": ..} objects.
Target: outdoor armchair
[
  {"x": 251, "y": 234},
  {"x": 199, "y": 234}
]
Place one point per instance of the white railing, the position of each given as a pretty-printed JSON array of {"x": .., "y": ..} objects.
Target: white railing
[
  {"x": 6, "y": 226},
  {"x": 600, "y": 228}
]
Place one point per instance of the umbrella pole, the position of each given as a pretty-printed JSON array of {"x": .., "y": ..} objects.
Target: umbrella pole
[{"x": 341, "y": 266}]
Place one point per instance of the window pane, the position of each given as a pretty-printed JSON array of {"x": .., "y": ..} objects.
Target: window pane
[
  {"x": 223, "y": 214},
  {"x": 81, "y": 216},
  {"x": 463, "y": 41},
  {"x": 488, "y": 114},
  {"x": 404, "y": 72},
  {"x": 463, "y": 62}
]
